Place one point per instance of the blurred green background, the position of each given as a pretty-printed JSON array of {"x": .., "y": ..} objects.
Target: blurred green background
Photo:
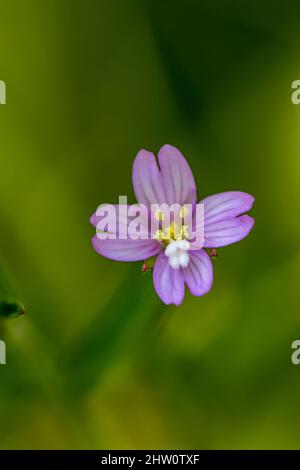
[{"x": 98, "y": 361}]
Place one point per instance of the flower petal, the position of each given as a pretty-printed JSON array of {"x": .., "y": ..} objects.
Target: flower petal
[
  {"x": 128, "y": 219},
  {"x": 225, "y": 232},
  {"x": 147, "y": 179},
  {"x": 119, "y": 238},
  {"x": 172, "y": 183},
  {"x": 198, "y": 275},
  {"x": 224, "y": 205},
  {"x": 168, "y": 282},
  {"x": 126, "y": 250},
  {"x": 177, "y": 177}
]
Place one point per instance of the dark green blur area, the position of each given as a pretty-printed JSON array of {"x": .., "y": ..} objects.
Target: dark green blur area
[{"x": 98, "y": 361}]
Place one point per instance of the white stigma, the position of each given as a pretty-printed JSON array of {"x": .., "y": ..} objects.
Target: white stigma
[{"x": 177, "y": 252}]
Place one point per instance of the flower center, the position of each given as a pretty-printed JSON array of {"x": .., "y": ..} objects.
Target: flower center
[
  {"x": 177, "y": 252},
  {"x": 172, "y": 233},
  {"x": 174, "y": 239}
]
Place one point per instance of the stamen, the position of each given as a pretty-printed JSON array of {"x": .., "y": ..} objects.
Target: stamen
[
  {"x": 183, "y": 211},
  {"x": 184, "y": 231},
  {"x": 159, "y": 235},
  {"x": 174, "y": 233},
  {"x": 159, "y": 215}
]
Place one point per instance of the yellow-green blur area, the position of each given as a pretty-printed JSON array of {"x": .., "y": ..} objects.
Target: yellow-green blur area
[{"x": 98, "y": 361}]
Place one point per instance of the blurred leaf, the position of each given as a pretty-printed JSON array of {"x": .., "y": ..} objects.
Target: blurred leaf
[
  {"x": 118, "y": 322},
  {"x": 10, "y": 307}
]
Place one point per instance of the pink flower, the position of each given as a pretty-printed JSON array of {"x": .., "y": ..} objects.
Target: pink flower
[{"x": 169, "y": 180}]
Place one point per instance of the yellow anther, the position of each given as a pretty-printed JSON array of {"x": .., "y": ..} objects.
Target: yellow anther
[
  {"x": 176, "y": 233},
  {"x": 184, "y": 231},
  {"x": 159, "y": 215},
  {"x": 173, "y": 232},
  {"x": 183, "y": 211},
  {"x": 159, "y": 235}
]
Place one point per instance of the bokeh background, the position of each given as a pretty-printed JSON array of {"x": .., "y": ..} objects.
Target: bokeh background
[{"x": 98, "y": 361}]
